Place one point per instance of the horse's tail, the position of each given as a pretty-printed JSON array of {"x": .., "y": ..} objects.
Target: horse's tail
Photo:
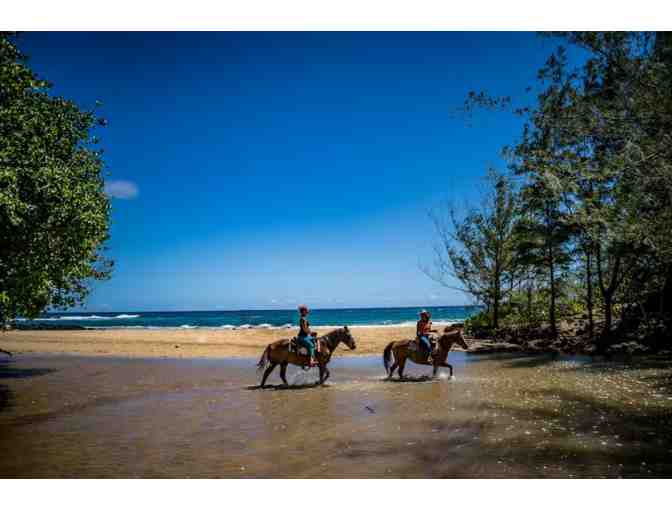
[
  {"x": 263, "y": 361},
  {"x": 387, "y": 355}
]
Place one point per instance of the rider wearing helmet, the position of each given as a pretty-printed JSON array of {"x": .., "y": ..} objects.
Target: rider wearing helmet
[
  {"x": 423, "y": 329},
  {"x": 306, "y": 337}
]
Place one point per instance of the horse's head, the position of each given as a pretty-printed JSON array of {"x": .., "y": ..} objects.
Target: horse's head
[
  {"x": 347, "y": 338},
  {"x": 453, "y": 335}
]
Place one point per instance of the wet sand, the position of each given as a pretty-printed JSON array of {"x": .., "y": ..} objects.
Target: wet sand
[
  {"x": 72, "y": 416},
  {"x": 183, "y": 343}
]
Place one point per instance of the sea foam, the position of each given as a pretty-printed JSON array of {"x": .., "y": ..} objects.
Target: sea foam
[{"x": 82, "y": 318}]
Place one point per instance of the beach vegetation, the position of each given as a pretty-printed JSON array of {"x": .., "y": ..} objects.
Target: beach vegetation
[
  {"x": 593, "y": 168},
  {"x": 54, "y": 213},
  {"x": 477, "y": 248}
]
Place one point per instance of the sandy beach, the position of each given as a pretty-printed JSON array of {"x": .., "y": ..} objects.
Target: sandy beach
[{"x": 182, "y": 343}]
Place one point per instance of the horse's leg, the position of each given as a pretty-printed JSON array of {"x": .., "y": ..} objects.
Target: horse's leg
[
  {"x": 436, "y": 369},
  {"x": 267, "y": 373},
  {"x": 393, "y": 368},
  {"x": 321, "y": 368},
  {"x": 402, "y": 364},
  {"x": 450, "y": 367},
  {"x": 326, "y": 374},
  {"x": 283, "y": 373}
]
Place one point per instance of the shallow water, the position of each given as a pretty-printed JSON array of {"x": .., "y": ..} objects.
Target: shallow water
[{"x": 66, "y": 416}]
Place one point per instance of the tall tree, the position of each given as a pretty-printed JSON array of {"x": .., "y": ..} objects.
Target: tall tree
[
  {"x": 478, "y": 248},
  {"x": 54, "y": 213},
  {"x": 618, "y": 116},
  {"x": 596, "y": 155}
]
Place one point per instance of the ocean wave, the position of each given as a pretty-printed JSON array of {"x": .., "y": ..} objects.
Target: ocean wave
[
  {"x": 124, "y": 327},
  {"x": 321, "y": 328},
  {"x": 81, "y": 318},
  {"x": 94, "y": 321}
]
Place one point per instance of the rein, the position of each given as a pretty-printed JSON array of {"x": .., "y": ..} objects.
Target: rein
[
  {"x": 447, "y": 345},
  {"x": 328, "y": 339}
]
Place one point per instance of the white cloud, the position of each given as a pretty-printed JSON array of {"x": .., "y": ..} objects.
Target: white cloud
[{"x": 125, "y": 190}]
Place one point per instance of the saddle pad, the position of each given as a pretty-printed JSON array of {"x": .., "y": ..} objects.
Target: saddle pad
[
  {"x": 294, "y": 347},
  {"x": 415, "y": 345}
]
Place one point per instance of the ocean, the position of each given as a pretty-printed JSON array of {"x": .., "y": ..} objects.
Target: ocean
[{"x": 244, "y": 319}]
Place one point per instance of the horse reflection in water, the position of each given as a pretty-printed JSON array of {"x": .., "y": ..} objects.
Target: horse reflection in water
[
  {"x": 279, "y": 353},
  {"x": 404, "y": 350}
]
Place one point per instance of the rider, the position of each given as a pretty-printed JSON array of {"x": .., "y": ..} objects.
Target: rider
[
  {"x": 306, "y": 337},
  {"x": 423, "y": 329}
]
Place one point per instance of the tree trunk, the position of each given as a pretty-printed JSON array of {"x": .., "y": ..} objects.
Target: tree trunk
[
  {"x": 589, "y": 293},
  {"x": 529, "y": 304},
  {"x": 551, "y": 311},
  {"x": 496, "y": 302},
  {"x": 607, "y": 296},
  {"x": 666, "y": 295},
  {"x": 608, "y": 314}
]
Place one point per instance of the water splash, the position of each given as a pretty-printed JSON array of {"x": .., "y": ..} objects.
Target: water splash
[{"x": 303, "y": 377}]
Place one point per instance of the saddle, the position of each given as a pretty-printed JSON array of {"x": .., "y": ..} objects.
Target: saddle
[
  {"x": 296, "y": 348},
  {"x": 415, "y": 345},
  {"x": 299, "y": 350}
]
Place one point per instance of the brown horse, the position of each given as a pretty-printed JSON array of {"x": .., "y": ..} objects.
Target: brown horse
[
  {"x": 403, "y": 350},
  {"x": 278, "y": 353}
]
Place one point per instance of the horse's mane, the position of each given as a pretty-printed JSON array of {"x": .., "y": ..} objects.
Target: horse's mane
[{"x": 458, "y": 326}]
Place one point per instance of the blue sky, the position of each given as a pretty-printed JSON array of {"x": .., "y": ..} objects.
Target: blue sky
[{"x": 259, "y": 170}]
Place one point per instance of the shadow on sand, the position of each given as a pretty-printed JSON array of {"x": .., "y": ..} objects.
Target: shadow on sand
[
  {"x": 285, "y": 387},
  {"x": 8, "y": 371}
]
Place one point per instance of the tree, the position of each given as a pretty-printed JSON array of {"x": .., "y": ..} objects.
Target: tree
[
  {"x": 542, "y": 236},
  {"x": 54, "y": 213},
  {"x": 478, "y": 249},
  {"x": 617, "y": 123},
  {"x": 596, "y": 159}
]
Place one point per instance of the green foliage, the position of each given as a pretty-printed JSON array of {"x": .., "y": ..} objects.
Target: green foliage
[
  {"x": 523, "y": 311},
  {"x": 479, "y": 325},
  {"x": 595, "y": 157},
  {"x": 478, "y": 249},
  {"x": 54, "y": 213}
]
